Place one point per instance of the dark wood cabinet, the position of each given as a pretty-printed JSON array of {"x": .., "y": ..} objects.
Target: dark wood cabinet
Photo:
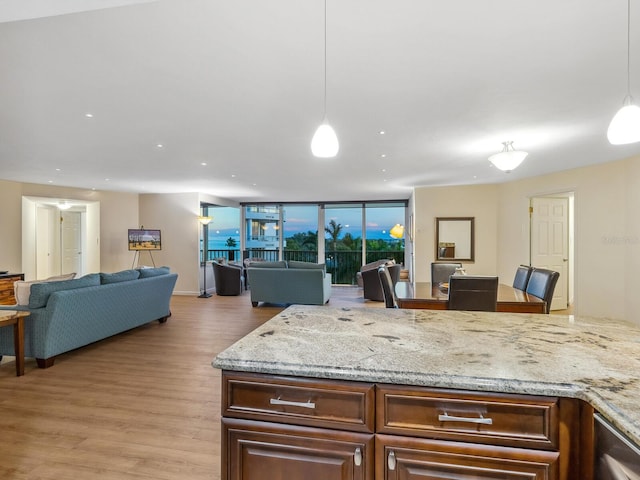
[
  {"x": 280, "y": 427},
  {"x": 405, "y": 458},
  {"x": 6, "y": 287},
  {"x": 261, "y": 450}
]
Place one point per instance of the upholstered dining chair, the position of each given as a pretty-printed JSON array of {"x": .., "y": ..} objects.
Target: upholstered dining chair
[
  {"x": 473, "y": 293},
  {"x": 542, "y": 284},
  {"x": 440, "y": 272},
  {"x": 372, "y": 288},
  {"x": 521, "y": 277},
  {"x": 388, "y": 287}
]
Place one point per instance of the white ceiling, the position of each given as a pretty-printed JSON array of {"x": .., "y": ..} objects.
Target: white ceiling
[{"x": 239, "y": 85}]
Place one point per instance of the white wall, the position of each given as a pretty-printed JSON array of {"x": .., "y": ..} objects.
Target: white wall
[
  {"x": 607, "y": 233},
  {"x": 478, "y": 201},
  {"x": 118, "y": 212},
  {"x": 176, "y": 215}
]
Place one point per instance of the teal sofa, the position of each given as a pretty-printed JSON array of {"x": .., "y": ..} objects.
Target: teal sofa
[
  {"x": 289, "y": 283},
  {"x": 70, "y": 314}
]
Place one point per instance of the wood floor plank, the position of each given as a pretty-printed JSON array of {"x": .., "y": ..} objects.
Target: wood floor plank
[{"x": 142, "y": 405}]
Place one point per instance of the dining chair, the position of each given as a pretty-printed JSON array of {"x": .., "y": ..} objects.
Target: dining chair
[
  {"x": 371, "y": 287},
  {"x": 542, "y": 284},
  {"x": 388, "y": 288},
  {"x": 473, "y": 293},
  {"x": 521, "y": 277},
  {"x": 440, "y": 272}
]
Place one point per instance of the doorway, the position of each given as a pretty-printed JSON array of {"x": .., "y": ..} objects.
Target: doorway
[
  {"x": 551, "y": 242},
  {"x": 56, "y": 241}
]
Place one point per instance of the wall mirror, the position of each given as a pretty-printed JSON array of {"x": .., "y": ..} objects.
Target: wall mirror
[{"x": 455, "y": 238}]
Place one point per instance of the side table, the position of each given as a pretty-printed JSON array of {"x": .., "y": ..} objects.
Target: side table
[{"x": 16, "y": 318}]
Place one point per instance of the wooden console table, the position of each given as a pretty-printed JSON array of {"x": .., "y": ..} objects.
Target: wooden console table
[
  {"x": 6, "y": 287},
  {"x": 16, "y": 318}
]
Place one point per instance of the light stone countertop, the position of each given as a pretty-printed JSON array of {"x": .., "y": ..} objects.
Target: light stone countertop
[{"x": 596, "y": 360}]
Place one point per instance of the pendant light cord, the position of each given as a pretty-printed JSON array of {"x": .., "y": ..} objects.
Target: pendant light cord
[
  {"x": 325, "y": 59},
  {"x": 628, "y": 48}
]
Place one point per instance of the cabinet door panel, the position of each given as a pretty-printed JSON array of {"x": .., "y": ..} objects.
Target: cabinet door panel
[
  {"x": 260, "y": 450},
  {"x": 403, "y": 458}
]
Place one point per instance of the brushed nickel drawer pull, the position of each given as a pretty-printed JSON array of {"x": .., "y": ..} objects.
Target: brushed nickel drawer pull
[
  {"x": 357, "y": 457},
  {"x": 391, "y": 460},
  {"x": 277, "y": 401},
  {"x": 449, "y": 418}
]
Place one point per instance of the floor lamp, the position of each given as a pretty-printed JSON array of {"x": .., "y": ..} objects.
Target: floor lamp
[{"x": 204, "y": 221}]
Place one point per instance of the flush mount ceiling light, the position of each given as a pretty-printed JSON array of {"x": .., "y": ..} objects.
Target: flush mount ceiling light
[
  {"x": 324, "y": 143},
  {"x": 64, "y": 206},
  {"x": 625, "y": 125},
  {"x": 508, "y": 158}
]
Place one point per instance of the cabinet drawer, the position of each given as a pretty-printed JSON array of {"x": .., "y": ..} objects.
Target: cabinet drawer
[
  {"x": 498, "y": 419},
  {"x": 320, "y": 403}
]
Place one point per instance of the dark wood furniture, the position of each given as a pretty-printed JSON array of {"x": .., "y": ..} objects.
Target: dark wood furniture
[
  {"x": 427, "y": 296},
  {"x": 6, "y": 287},
  {"x": 16, "y": 319},
  {"x": 293, "y": 427}
]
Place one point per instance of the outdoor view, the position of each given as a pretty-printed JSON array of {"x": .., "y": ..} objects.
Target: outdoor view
[{"x": 348, "y": 231}]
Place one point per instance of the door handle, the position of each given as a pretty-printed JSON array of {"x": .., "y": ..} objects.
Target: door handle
[
  {"x": 357, "y": 457},
  {"x": 391, "y": 460}
]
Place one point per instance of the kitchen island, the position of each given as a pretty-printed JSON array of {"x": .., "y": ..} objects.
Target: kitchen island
[{"x": 595, "y": 361}]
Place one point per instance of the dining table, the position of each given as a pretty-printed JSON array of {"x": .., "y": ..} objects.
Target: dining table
[{"x": 424, "y": 295}]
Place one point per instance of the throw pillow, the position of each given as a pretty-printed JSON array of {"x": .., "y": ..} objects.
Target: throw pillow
[
  {"x": 123, "y": 276},
  {"x": 281, "y": 264},
  {"x": 40, "y": 292},
  {"x": 154, "y": 272},
  {"x": 22, "y": 289},
  {"x": 314, "y": 266}
]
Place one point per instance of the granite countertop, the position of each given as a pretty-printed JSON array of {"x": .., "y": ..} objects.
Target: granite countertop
[{"x": 596, "y": 360}]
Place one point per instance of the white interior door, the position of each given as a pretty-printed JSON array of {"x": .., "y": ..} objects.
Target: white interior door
[
  {"x": 71, "y": 242},
  {"x": 550, "y": 242}
]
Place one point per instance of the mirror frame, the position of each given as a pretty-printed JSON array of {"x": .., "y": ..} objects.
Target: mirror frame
[{"x": 471, "y": 221}]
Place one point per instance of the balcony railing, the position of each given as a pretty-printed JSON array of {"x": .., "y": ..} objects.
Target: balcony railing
[{"x": 341, "y": 264}]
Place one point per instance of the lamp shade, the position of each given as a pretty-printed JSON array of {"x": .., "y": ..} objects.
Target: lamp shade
[
  {"x": 625, "y": 125},
  {"x": 508, "y": 158},
  {"x": 324, "y": 143},
  {"x": 397, "y": 231}
]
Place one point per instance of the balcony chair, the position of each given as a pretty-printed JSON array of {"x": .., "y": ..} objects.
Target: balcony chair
[
  {"x": 372, "y": 288},
  {"x": 473, "y": 293},
  {"x": 521, "y": 277},
  {"x": 542, "y": 284},
  {"x": 388, "y": 287},
  {"x": 440, "y": 272},
  {"x": 229, "y": 279}
]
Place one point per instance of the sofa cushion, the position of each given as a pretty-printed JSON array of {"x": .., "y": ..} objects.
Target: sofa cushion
[
  {"x": 123, "y": 276},
  {"x": 316, "y": 266},
  {"x": 40, "y": 292},
  {"x": 281, "y": 264},
  {"x": 22, "y": 289},
  {"x": 154, "y": 272}
]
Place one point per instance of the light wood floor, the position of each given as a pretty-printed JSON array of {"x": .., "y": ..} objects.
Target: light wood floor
[{"x": 141, "y": 405}]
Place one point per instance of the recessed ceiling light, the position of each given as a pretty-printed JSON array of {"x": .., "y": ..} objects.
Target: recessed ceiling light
[
  {"x": 106, "y": 179},
  {"x": 255, "y": 184},
  {"x": 57, "y": 169},
  {"x": 50, "y": 181},
  {"x": 384, "y": 155},
  {"x": 381, "y": 132},
  {"x": 384, "y": 170},
  {"x": 88, "y": 115},
  {"x": 233, "y": 175},
  {"x": 159, "y": 145},
  {"x": 204, "y": 164}
]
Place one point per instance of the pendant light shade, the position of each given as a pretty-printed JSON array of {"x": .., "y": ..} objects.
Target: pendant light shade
[
  {"x": 397, "y": 231},
  {"x": 324, "y": 143},
  {"x": 508, "y": 158},
  {"x": 625, "y": 126}
]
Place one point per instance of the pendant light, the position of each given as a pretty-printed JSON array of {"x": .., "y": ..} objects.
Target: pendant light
[
  {"x": 324, "y": 143},
  {"x": 625, "y": 126},
  {"x": 509, "y": 158}
]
